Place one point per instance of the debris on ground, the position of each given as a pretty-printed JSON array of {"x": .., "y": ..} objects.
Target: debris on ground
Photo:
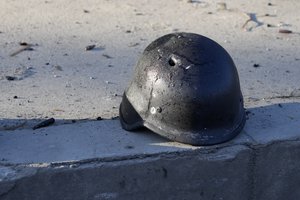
[
  {"x": 129, "y": 147},
  {"x": 10, "y": 78},
  {"x": 90, "y": 47},
  {"x": 251, "y": 17},
  {"x": 45, "y": 123},
  {"x": 99, "y": 118},
  {"x": 268, "y": 15},
  {"x": 27, "y": 47},
  {"x": 270, "y": 26},
  {"x": 23, "y": 43},
  {"x": 58, "y": 67},
  {"x": 107, "y": 56},
  {"x": 193, "y": 1},
  {"x": 285, "y": 31},
  {"x": 21, "y": 73},
  {"x": 133, "y": 44}
]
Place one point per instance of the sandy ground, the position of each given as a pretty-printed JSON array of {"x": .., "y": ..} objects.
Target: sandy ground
[{"x": 59, "y": 78}]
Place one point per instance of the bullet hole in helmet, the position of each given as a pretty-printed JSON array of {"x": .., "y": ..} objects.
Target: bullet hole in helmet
[{"x": 172, "y": 61}]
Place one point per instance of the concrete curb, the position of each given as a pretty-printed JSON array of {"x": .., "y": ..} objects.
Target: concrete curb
[
  {"x": 99, "y": 160},
  {"x": 229, "y": 172}
]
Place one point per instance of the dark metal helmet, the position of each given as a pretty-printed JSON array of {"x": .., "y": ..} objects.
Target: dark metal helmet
[{"x": 185, "y": 88}]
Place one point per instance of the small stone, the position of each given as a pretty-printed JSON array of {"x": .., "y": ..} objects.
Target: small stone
[
  {"x": 129, "y": 147},
  {"x": 58, "y": 67},
  {"x": 10, "y": 78},
  {"x": 256, "y": 65},
  {"x": 99, "y": 118},
  {"x": 23, "y": 43},
  {"x": 133, "y": 44},
  {"x": 107, "y": 56},
  {"x": 90, "y": 47},
  {"x": 15, "y": 97}
]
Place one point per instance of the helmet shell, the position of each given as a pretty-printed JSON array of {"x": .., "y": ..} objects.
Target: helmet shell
[{"x": 186, "y": 88}]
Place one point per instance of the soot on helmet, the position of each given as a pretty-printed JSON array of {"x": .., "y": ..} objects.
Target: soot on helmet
[{"x": 186, "y": 88}]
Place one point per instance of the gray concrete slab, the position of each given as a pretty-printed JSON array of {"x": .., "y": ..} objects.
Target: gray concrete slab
[
  {"x": 106, "y": 138},
  {"x": 98, "y": 139}
]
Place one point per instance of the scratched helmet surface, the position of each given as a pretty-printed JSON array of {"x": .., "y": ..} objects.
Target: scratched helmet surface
[{"x": 186, "y": 88}]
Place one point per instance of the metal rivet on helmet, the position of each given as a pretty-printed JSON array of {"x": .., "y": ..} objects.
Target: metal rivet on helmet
[{"x": 186, "y": 88}]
